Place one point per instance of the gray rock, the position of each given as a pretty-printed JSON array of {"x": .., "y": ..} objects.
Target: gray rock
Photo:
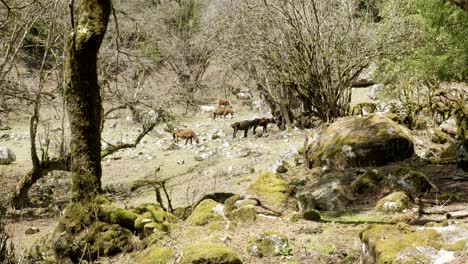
[
  {"x": 374, "y": 91},
  {"x": 330, "y": 196},
  {"x": 6, "y": 156},
  {"x": 31, "y": 230},
  {"x": 5, "y": 137}
]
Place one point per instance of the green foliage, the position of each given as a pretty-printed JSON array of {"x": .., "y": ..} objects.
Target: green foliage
[{"x": 435, "y": 47}]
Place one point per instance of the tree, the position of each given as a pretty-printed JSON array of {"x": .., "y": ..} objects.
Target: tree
[
  {"x": 83, "y": 99},
  {"x": 310, "y": 50}
]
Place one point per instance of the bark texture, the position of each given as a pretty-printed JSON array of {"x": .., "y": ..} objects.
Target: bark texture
[{"x": 83, "y": 98}]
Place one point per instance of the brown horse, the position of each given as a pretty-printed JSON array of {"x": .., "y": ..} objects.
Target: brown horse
[
  {"x": 243, "y": 125},
  {"x": 263, "y": 122},
  {"x": 223, "y": 102},
  {"x": 223, "y": 112},
  {"x": 184, "y": 134}
]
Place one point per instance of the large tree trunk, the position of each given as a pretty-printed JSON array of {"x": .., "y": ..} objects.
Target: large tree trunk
[{"x": 83, "y": 98}]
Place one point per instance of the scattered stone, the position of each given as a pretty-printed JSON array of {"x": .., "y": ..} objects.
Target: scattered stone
[
  {"x": 181, "y": 161},
  {"x": 6, "y": 156},
  {"x": 394, "y": 202},
  {"x": 360, "y": 141},
  {"x": 268, "y": 244},
  {"x": 31, "y": 230}
]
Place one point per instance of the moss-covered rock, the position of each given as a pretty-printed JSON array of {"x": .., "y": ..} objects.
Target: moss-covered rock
[
  {"x": 312, "y": 215},
  {"x": 405, "y": 244},
  {"x": 154, "y": 255},
  {"x": 245, "y": 213},
  {"x": 394, "y": 202},
  {"x": 367, "y": 182},
  {"x": 366, "y": 141},
  {"x": 123, "y": 217},
  {"x": 273, "y": 192},
  {"x": 209, "y": 253},
  {"x": 330, "y": 196},
  {"x": 150, "y": 218},
  {"x": 107, "y": 240},
  {"x": 439, "y": 137},
  {"x": 415, "y": 182},
  {"x": 268, "y": 243},
  {"x": 204, "y": 213}
]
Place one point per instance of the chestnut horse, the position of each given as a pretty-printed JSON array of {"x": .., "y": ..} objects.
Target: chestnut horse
[
  {"x": 223, "y": 112},
  {"x": 184, "y": 134},
  {"x": 263, "y": 122},
  {"x": 223, "y": 102}
]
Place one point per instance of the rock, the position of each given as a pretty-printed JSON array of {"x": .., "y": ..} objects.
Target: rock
[
  {"x": 172, "y": 146},
  {"x": 198, "y": 158},
  {"x": 181, "y": 161},
  {"x": 281, "y": 166},
  {"x": 367, "y": 182},
  {"x": 365, "y": 78},
  {"x": 449, "y": 127},
  {"x": 154, "y": 255},
  {"x": 152, "y": 218},
  {"x": 306, "y": 201},
  {"x": 394, "y": 202},
  {"x": 273, "y": 192},
  {"x": 246, "y": 213},
  {"x": 5, "y": 137},
  {"x": 373, "y": 140},
  {"x": 6, "y": 156},
  {"x": 414, "y": 182},
  {"x": 438, "y": 137},
  {"x": 330, "y": 196},
  {"x": 205, "y": 213},
  {"x": 268, "y": 244},
  {"x": 374, "y": 91},
  {"x": 311, "y": 215},
  {"x": 209, "y": 253},
  {"x": 245, "y": 152},
  {"x": 241, "y": 203},
  {"x": 215, "y": 136},
  {"x": 31, "y": 230},
  {"x": 391, "y": 244},
  {"x": 259, "y": 134}
]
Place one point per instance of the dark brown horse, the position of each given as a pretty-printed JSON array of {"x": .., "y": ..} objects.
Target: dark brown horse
[
  {"x": 184, "y": 134},
  {"x": 243, "y": 125},
  {"x": 263, "y": 122}
]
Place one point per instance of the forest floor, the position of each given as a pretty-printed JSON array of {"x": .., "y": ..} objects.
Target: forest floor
[{"x": 232, "y": 165}]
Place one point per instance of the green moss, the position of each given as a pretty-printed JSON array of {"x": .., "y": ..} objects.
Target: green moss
[
  {"x": 312, "y": 215},
  {"x": 322, "y": 248},
  {"x": 271, "y": 189},
  {"x": 203, "y": 213},
  {"x": 120, "y": 216},
  {"x": 107, "y": 239},
  {"x": 439, "y": 137},
  {"x": 371, "y": 140},
  {"x": 417, "y": 183},
  {"x": 269, "y": 243},
  {"x": 460, "y": 245},
  {"x": 245, "y": 213},
  {"x": 209, "y": 253},
  {"x": 394, "y": 202},
  {"x": 154, "y": 255},
  {"x": 229, "y": 203},
  {"x": 367, "y": 182},
  {"x": 386, "y": 242}
]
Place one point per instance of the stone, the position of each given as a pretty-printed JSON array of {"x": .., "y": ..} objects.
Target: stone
[
  {"x": 272, "y": 191},
  {"x": 367, "y": 182},
  {"x": 439, "y": 137},
  {"x": 330, "y": 196},
  {"x": 312, "y": 215},
  {"x": 31, "y": 230},
  {"x": 374, "y": 91},
  {"x": 6, "y": 156},
  {"x": 267, "y": 244},
  {"x": 394, "y": 202},
  {"x": 246, "y": 213},
  {"x": 373, "y": 140},
  {"x": 365, "y": 78},
  {"x": 205, "y": 213},
  {"x": 414, "y": 182},
  {"x": 209, "y": 253}
]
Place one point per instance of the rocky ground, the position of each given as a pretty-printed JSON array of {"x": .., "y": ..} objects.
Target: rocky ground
[{"x": 264, "y": 223}]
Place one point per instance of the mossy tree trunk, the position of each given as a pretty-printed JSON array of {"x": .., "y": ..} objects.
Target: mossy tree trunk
[{"x": 83, "y": 98}]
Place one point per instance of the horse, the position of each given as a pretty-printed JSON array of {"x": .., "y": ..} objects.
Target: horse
[
  {"x": 263, "y": 122},
  {"x": 223, "y": 112},
  {"x": 207, "y": 108},
  {"x": 184, "y": 134},
  {"x": 243, "y": 125},
  {"x": 223, "y": 102},
  {"x": 246, "y": 96}
]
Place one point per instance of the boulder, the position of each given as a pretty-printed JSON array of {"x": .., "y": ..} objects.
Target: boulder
[
  {"x": 367, "y": 182},
  {"x": 154, "y": 255},
  {"x": 311, "y": 215},
  {"x": 406, "y": 244},
  {"x": 209, "y": 253},
  {"x": 330, "y": 196},
  {"x": 6, "y": 156},
  {"x": 268, "y": 244},
  {"x": 414, "y": 182},
  {"x": 245, "y": 213},
  {"x": 206, "y": 212},
  {"x": 394, "y": 202},
  {"x": 365, "y": 78},
  {"x": 272, "y": 191},
  {"x": 372, "y": 140}
]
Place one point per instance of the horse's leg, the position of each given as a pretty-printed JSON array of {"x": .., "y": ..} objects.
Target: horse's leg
[
  {"x": 186, "y": 141},
  {"x": 265, "y": 129},
  {"x": 234, "y": 134},
  {"x": 245, "y": 132}
]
